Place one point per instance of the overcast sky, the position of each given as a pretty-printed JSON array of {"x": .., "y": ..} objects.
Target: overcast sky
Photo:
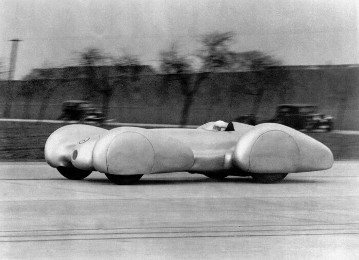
[{"x": 299, "y": 32}]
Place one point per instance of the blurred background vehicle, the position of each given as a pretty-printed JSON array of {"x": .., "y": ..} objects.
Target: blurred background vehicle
[
  {"x": 81, "y": 110},
  {"x": 302, "y": 117},
  {"x": 298, "y": 116}
]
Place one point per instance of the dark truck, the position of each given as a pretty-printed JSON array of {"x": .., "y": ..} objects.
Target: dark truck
[
  {"x": 298, "y": 116},
  {"x": 81, "y": 110}
]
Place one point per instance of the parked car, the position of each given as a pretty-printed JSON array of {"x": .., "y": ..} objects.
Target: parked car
[
  {"x": 81, "y": 110},
  {"x": 302, "y": 117}
]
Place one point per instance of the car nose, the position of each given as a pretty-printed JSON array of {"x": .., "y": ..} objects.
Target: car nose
[{"x": 81, "y": 157}]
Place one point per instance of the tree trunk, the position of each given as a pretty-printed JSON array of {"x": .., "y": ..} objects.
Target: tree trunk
[
  {"x": 91, "y": 84},
  {"x": 257, "y": 102},
  {"x": 186, "y": 108},
  {"x": 106, "y": 97},
  {"x": 189, "y": 90}
]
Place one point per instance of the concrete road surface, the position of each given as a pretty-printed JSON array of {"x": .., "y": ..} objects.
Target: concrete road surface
[{"x": 178, "y": 216}]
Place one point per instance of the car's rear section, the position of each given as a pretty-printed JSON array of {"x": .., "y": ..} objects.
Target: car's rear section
[{"x": 274, "y": 148}]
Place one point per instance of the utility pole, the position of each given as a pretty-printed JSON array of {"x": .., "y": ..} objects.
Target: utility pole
[
  {"x": 13, "y": 55},
  {"x": 15, "y": 43}
]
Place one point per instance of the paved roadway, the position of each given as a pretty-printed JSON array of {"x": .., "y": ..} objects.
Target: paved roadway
[{"x": 178, "y": 216}]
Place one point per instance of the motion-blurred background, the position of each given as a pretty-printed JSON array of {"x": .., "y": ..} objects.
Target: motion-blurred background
[{"x": 178, "y": 63}]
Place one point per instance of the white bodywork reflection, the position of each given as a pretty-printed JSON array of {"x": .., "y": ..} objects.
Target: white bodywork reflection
[{"x": 262, "y": 149}]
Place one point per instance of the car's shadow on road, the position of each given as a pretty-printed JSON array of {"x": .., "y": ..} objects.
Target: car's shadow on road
[{"x": 149, "y": 180}]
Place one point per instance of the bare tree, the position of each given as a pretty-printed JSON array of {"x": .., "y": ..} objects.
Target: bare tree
[
  {"x": 104, "y": 72},
  {"x": 267, "y": 72},
  {"x": 97, "y": 69},
  {"x": 214, "y": 56},
  {"x": 90, "y": 59}
]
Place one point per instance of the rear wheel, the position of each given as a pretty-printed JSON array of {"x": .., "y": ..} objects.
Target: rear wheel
[
  {"x": 269, "y": 178},
  {"x": 123, "y": 179},
  {"x": 73, "y": 173}
]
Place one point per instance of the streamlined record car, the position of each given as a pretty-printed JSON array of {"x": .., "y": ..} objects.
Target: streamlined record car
[{"x": 267, "y": 152}]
